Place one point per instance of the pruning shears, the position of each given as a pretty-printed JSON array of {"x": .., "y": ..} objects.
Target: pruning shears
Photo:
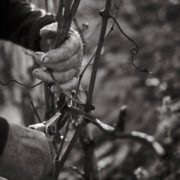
[{"x": 48, "y": 127}]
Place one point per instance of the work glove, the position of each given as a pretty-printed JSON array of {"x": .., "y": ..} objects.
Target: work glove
[
  {"x": 27, "y": 155},
  {"x": 64, "y": 61}
]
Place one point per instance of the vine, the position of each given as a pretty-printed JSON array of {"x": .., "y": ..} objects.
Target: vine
[{"x": 68, "y": 105}]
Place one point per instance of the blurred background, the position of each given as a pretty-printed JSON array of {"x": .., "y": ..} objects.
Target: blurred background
[{"x": 152, "y": 99}]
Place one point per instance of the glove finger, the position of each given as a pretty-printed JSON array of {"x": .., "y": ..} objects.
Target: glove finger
[
  {"x": 66, "y": 86},
  {"x": 74, "y": 61},
  {"x": 37, "y": 56},
  {"x": 65, "y": 51},
  {"x": 49, "y": 31},
  {"x": 60, "y": 77}
]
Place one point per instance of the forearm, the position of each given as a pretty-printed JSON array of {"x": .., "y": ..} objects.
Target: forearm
[
  {"x": 21, "y": 22},
  {"x": 26, "y": 155}
]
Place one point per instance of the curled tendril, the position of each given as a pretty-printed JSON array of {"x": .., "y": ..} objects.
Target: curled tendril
[{"x": 133, "y": 51}]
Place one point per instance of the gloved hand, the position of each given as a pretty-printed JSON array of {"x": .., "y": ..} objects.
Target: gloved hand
[
  {"x": 28, "y": 155},
  {"x": 65, "y": 61}
]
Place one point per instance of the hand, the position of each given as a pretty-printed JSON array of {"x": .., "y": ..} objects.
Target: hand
[
  {"x": 64, "y": 61},
  {"x": 27, "y": 155}
]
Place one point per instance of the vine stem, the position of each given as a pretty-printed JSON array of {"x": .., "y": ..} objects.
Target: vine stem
[
  {"x": 60, "y": 164},
  {"x": 116, "y": 134},
  {"x": 91, "y": 168},
  {"x": 105, "y": 18},
  {"x": 66, "y": 12}
]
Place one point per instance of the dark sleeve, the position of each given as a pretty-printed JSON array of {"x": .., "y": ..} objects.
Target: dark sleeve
[
  {"x": 21, "y": 21},
  {"x": 4, "y": 128}
]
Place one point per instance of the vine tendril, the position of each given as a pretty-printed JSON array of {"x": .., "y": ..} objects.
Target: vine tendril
[
  {"x": 133, "y": 51},
  {"x": 7, "y": 83}
]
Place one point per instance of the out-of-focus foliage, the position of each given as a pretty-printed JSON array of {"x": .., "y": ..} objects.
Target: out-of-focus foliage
[{"x": 155, "y": 26}]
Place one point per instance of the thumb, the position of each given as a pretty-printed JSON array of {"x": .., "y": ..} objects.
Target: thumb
[
  {"x": 49, "y": 31},
  {"x": 36, "y": 56}
]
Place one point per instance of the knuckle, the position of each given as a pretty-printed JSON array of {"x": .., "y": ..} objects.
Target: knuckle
[
  {"x": 78, "y": 63},
  {"x": 75, "y": 71},
  {"x": 68, "y": 63},
  {"x": 59, "y": 77},
  {"x": 69, "y": 74},
  {"x": 74, "y": 83},
  {"x": 80, "y": 57},
  {"x": 76, "y": 42},
  {"x": 76, "y": 45},
  {"x": 75, "y": 80},
  {"x": 74, "y": 62}
]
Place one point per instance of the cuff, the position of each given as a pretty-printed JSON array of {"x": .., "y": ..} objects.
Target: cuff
[
  {"x": 4, "y": 128},
  {"x": 34, "y": 36}
]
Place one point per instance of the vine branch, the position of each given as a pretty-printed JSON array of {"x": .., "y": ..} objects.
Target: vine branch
[
  {"x": 116, "y": 134},
  {"x": 105, "y": 17}
]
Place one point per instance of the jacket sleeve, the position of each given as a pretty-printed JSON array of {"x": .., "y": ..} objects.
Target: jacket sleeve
[
  {"x": 4, "y": 128},
  {"x": 21, "y": 22}
]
